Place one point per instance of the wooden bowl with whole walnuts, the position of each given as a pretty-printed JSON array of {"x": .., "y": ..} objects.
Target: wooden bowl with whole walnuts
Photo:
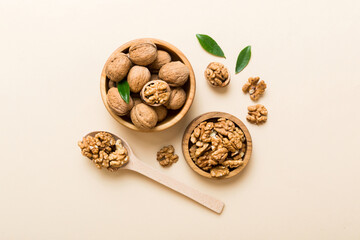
[
  {"x": 217, "y": 145},
  {"x": 161, "y": 82}
]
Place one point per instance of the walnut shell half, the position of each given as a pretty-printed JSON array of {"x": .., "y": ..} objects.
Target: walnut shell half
[
  {"x": 143, "y": 53},
  {"x": 174, "y": 73},
  {"x": 117, "y": 104},
  {"x": 143, "y": 116},
  {"x": 118, "y": 67}
]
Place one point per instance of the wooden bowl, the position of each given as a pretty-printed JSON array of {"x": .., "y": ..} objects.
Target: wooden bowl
[
  {"x": 208, "y": 116},
  {"x": 173, "y": 116}
]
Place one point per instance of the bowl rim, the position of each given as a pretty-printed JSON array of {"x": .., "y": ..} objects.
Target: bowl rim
[
  {"x": 190, "y": 94},
  {"x": 209, "y": 115}
]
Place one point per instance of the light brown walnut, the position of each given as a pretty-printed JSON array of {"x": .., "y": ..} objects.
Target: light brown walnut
[
  {"x": 217, "y": 144},
  {"x": 117, "y": 66},
  {"x": 177, "y": 99},
  {"x": 217, "y": 74},
  {"x": 255, "y": 88},
  {"x": 117, "y": 104},
  {"x": 137, "y": 77},
  {"x": 143, "y": 116},
  {"x": 104, "y": 151},
  {"x": 166, "y": 156},
  {"x": 257, "y": 114},
  {"x": 161, "y": 112},
  {"x": 162, "y": 58},
  {"x": 143, "y": 53},
  {"x": 174, "y": 73}
]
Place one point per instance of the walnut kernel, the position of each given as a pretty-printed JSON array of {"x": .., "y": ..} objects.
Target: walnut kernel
[
  {"x": 257, "y": 114},
  {"x": 254, "y": 87},
  {"x": 166, "y": 156}
]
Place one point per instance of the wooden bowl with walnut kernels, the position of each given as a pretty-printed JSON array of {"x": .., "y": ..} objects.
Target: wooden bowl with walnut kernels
[
  {"x": 214, "y": 116},
  {"x": 173, "y": 116}
]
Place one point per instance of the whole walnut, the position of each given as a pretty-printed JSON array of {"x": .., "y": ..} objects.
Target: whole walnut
[
  {"x": 137, "y": 77},
  {"x": 154, "y": 77},
  {"x": 162, "y": 59},
  {"x": 174, "y": 73},
  {"x": 143, "y": 53},
  {"x": 137, "y": 101},
  {"x": 143, "y": 116},
  {"x": 117, "y": 67},
  {"x": 117, "y": 104},
  {"x": 161, "y": 111},
  {"x": 177, "y": 99}
]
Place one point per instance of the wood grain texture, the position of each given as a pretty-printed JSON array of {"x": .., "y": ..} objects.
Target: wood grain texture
[
  {"x": 207, "y": 116},
  {"x": 189, "y": 87},
  {"x": 137, "y": 165}
]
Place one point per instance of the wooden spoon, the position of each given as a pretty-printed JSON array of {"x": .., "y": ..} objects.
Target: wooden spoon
[{"x": 136, "y": 165}]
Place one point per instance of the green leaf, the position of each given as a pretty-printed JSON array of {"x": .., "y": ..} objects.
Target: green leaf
[
  {"x": 124, "y": 90},
  {"x": 210, "y": 45},
  {"x": 243, "y": 59}
]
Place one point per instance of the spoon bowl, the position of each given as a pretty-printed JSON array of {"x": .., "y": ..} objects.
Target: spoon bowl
[{"x": 137, "y": 165}]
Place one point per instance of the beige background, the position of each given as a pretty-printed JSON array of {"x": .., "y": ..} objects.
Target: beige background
[{"x": 302, "y": 181}]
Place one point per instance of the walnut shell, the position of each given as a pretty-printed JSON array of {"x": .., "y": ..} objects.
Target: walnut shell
[
  {"x": 154, "y": 77},
  {"x": 137, "y": 77},
  {"x": 162, "y": 58},
  {"x": 161, "y": 111},
  {"x": 143, "y": 116},
  {"x": 174, "y": 73},
  {"x": 117, "y": 67},
  {"x": 143, "y": 53},
  {"x": 177, "y": 99},
  {"x": 117, "y": 104},
  {"x": 137, "y": 101}
]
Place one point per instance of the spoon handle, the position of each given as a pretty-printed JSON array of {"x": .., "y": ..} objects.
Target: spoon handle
[{"x": 205, "y": 200}]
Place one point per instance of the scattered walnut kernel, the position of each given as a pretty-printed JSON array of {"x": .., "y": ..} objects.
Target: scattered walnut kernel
[
  {"x": 254, "y": 87},
  {"x": 104, "y": 151},
  {"x": 157, "y": 92},
  {"x": 217, "y": 146},
  {"x": 166, "y": 156},
  {"x": 217, "y": 74},
  {"x": 257, "y": 114}
]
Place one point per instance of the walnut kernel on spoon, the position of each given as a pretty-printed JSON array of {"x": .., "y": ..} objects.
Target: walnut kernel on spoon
[{"x": 106, "y": 141}]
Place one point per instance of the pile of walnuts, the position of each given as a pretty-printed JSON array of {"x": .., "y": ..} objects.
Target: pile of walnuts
[
  {"x": 104, "y": 151},
  {"x": 217, "y": 146},
  {"x": 141, "y": 64}
]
